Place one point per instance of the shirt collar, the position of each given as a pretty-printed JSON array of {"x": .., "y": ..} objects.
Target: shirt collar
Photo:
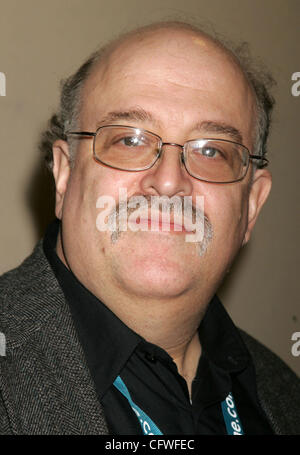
[
  {"x": 108, "y": 342},
  {"x": 221, "y": 340}
]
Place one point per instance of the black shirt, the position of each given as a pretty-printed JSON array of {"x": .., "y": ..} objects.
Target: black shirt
[{"x": 149, "y": 373}]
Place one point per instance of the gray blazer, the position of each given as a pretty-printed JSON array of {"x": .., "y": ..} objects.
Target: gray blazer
[{"x": 45, "y": 385}]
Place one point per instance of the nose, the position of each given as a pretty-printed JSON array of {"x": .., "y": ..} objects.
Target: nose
[{"x": 168, "y": 176}]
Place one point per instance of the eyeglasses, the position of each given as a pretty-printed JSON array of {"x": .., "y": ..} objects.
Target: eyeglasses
[{"x": 134, "y": 149}]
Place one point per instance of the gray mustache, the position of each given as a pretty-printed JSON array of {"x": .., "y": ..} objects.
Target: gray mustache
[{"x": 172, "y": 206}]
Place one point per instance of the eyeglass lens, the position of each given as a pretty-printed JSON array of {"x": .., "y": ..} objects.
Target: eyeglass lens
[{"x": 132, "y": 149}]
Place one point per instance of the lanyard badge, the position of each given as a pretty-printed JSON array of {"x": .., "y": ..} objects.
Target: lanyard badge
[{"x": 230, "y": 415}]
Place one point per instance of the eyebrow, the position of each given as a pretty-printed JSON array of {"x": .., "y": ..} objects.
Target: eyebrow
[
  {"x": 140, "y": 115},
  {"x": 210, "y": 127}
]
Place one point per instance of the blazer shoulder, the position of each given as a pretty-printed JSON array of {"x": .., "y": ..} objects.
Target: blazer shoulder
[
  {"x": 265, "y": 359},
  {"x": 25, "y": 275},
  {"x": 29, "y": 295},
  {"x": 278, "y": 387}
]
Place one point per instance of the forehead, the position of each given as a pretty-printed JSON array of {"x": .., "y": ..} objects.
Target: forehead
[{"x": 168, "y": 73}]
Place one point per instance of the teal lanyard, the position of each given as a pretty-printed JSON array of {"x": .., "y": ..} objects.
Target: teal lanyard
[{"x": 232, "y": 421}]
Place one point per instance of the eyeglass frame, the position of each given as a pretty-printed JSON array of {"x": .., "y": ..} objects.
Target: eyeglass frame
[{"x": 162, "y": 144}]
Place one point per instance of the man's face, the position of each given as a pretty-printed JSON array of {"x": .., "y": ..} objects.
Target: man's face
[{"x": 181, "y": 81}]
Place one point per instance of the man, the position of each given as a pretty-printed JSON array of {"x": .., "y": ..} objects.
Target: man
[{"x": 113, "y": 329}]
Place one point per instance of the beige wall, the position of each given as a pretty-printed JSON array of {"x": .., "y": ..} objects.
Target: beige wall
[{"x": 42, "y": 41}]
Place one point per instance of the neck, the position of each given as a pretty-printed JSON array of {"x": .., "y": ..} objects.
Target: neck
[
  {"x": 186, "y": 358},
  {"x": 171, "y": 325}
]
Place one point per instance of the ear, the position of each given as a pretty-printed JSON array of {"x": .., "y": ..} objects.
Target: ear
[
  {"x": 259, "y": 192},
  {"x": 61, "y": 173}
]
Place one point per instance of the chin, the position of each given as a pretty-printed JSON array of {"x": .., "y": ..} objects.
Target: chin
[{"x": 157, "y": 282}]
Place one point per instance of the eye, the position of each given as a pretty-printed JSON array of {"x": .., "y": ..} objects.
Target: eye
[
  {"x": 209, "y": 152},
  {"x": 132, "y": 141}
]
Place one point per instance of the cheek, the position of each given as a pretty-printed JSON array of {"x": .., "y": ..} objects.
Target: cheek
[
  {"x": 88, "y": 183},
  {"x": 227, "y": 209}
]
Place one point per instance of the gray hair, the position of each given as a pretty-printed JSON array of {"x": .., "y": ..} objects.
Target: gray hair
[{"x": 67, "y": 115}]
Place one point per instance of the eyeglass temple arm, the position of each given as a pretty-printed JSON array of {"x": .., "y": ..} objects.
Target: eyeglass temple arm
[
  {"x": 81, "y": 133},
  {"x": 260, "y": 158}
]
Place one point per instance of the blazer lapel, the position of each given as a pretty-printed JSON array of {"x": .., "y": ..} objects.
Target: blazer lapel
[{"x": 52, "y": 391}]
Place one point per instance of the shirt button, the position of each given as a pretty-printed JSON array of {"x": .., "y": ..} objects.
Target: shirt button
[
  {"x": 150, "y": 357},
  {"x": 232, "y": 360}
]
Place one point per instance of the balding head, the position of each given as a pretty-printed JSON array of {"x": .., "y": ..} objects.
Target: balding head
[
  {"x": 72, "y": 88},
  {"x": 190, "y": 71}
]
